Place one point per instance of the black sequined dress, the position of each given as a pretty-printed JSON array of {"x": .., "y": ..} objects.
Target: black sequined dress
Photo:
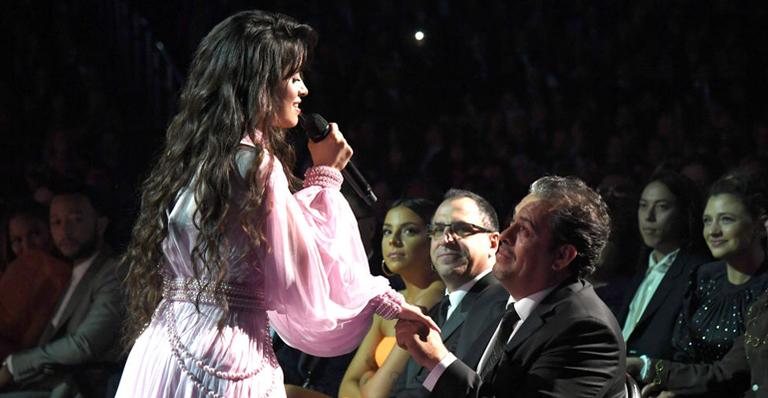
[{"x": 713, "y": 313}]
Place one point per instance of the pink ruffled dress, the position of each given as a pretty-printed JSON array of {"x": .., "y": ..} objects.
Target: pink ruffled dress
[{"x": 310, "y": 282}]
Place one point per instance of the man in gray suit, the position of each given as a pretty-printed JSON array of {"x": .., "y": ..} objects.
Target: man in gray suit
[
  {"x": 464, "y": 239},
  {"x": 80, "y": 344}
]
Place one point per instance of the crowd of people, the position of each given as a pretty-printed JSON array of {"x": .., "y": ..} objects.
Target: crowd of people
[{"x": 658, "y": 270}]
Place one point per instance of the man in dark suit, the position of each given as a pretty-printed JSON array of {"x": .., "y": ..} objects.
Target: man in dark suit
[
  {"x": 556, "y": 338},
  {"x": 79, "y": 346},
  {"x": 669, "y": 220},
  {"x": 463, "y": 243}
]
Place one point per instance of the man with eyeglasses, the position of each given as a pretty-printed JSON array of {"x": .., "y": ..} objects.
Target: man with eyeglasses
[
  {"x": 463, "y": 242},
  {"x": 556, "y": 338}
]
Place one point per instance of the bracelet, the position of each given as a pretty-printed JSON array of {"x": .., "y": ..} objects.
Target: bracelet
[
  {"x": 658, "y": 369},
  {"x": 323, "y": 176},
  {"x": 388, "y": 305}
]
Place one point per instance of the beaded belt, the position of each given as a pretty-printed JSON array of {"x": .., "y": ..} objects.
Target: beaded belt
[{"x": 191, "y": 290}]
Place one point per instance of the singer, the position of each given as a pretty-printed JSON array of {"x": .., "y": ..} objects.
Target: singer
[{"x": 222, "y": 248}]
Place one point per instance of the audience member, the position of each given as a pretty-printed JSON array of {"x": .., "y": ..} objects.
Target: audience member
[
  {"x": 721, "y": 292},
  {"x": 669, "y": 220},
  {"x": 740, "y": 372},
  {"x": 34, "y": 281},
  {"x": 28, "y": 230},
  {"x": 557, "y": 338},
  {"x": 405, "y": 252},
  {"x": 718, "y": 307},
  {"x": 464, "y": 240},
  {"x": 78, "y": 345}
]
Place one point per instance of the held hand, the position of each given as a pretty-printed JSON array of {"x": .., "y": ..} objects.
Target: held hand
[
  {"x": 332, "y": 151},
  {"x": 425, "y": 345},
  {"x": 414, "y": 313},
  {"x": 654, "y": 390},
  {"x": 634, "y": 367}
]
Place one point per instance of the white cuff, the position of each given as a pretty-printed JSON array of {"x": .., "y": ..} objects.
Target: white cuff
[
  {"x": 9, "y": 364},
  {"x": 437, "y": 371},
  {"x": 646, "y": 367}
]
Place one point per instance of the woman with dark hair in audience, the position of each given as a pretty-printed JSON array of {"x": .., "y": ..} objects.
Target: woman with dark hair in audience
[
  {"x": 34, "y": 281},
  {"x": 405, "y": 251},
  {"x": 223, "y": 248},
  {"x": 719, "y": 306},
  {"x": 669, "y": 221}
]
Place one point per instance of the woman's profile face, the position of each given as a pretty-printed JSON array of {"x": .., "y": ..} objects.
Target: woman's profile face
[
  {"x": 658, "y": 217},
  {"x": 404, "y": 241},
  {"x": 729, "y": 229},
  {"x": 288, "y": 109}
]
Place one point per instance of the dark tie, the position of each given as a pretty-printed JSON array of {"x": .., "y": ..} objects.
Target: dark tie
[
  {"x": 508, "y": 322},
  {"x": 445, "y": 303}
]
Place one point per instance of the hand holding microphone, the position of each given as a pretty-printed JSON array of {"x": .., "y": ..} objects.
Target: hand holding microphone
[
  {"x": 335, "y": 153},
  {"x": 332, "y": 150}
]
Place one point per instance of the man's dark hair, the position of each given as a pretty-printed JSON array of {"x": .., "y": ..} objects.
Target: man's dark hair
[
  {"x": 487, "y": 212},
  {"x": 579, "y": 217},
  {"x": 688, "y": 199}
]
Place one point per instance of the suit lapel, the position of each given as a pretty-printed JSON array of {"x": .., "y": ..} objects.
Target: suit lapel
[
  {"x": 81, "y": 292},
  {"x": 460, "y": 314},
  {"x": 634, "y": 284},
  {"x": 538, "y": 317},
  {"x": 483, "y": 324},
  {"x": 665, "y": 287}
]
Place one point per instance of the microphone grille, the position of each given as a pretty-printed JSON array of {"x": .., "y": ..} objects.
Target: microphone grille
[{"x": 314, "y": 125}]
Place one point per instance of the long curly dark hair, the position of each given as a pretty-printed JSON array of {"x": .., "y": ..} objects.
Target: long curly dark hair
[{"x": 234, "y": 87}]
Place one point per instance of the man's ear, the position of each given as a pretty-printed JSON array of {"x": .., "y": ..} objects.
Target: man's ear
[
  {"x": 563, "y": 256},
  {"x": 495, "y": 238}
]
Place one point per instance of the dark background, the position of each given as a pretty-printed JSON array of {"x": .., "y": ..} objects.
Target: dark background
[{"x": 499, "y": 92}]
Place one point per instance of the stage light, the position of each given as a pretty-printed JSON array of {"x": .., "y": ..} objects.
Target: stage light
[{"x": 419, "y": 35}]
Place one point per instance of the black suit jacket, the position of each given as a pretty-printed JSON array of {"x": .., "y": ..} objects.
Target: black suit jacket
[
  {"x": 652, "y": 335},
  {"x": 457, "y": 334},
  {"x": 569, "y": 346}
]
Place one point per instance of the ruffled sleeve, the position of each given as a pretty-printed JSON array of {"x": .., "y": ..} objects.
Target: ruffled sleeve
[{"x": 318, "y": 289}]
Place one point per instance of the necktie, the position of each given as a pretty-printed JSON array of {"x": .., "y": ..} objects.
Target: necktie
[
  {"x": 445, "y": 303},
  {"x": 508, "y": 322}
]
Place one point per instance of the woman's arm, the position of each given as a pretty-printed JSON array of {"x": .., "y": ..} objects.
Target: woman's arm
[
  {"x": 363, "y": 364},
  {"x": 381, "y": 381}
]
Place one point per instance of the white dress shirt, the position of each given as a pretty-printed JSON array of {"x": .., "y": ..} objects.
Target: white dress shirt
[
  {"x": 653, "y": 276},
  {"x": 455, "y": 297}
]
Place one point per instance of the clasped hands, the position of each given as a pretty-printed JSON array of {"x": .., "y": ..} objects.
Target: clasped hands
[{"x": 424, "y": 344}]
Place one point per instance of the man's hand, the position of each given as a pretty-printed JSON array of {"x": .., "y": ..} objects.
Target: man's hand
[
  {"x": 424, "y": 344},
  {"x": 6, "y": 379},
  {"x": 655, "y": 390},
  {"x": 634, "y": 367}
]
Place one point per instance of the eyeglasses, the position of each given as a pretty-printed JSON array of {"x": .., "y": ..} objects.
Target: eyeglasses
[{"x": 456, "y": 229}]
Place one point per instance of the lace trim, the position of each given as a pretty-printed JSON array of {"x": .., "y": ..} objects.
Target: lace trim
[{"x": 191, "y": 290}]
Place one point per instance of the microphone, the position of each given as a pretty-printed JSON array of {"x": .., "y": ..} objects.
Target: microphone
[{"x": 318, "y": 128}]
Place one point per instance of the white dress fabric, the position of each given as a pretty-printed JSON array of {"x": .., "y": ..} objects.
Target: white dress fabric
[{"x": 310, "y": 282}]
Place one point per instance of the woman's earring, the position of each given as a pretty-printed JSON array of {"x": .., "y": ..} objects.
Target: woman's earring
[{"x": 385, "y": 270}]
